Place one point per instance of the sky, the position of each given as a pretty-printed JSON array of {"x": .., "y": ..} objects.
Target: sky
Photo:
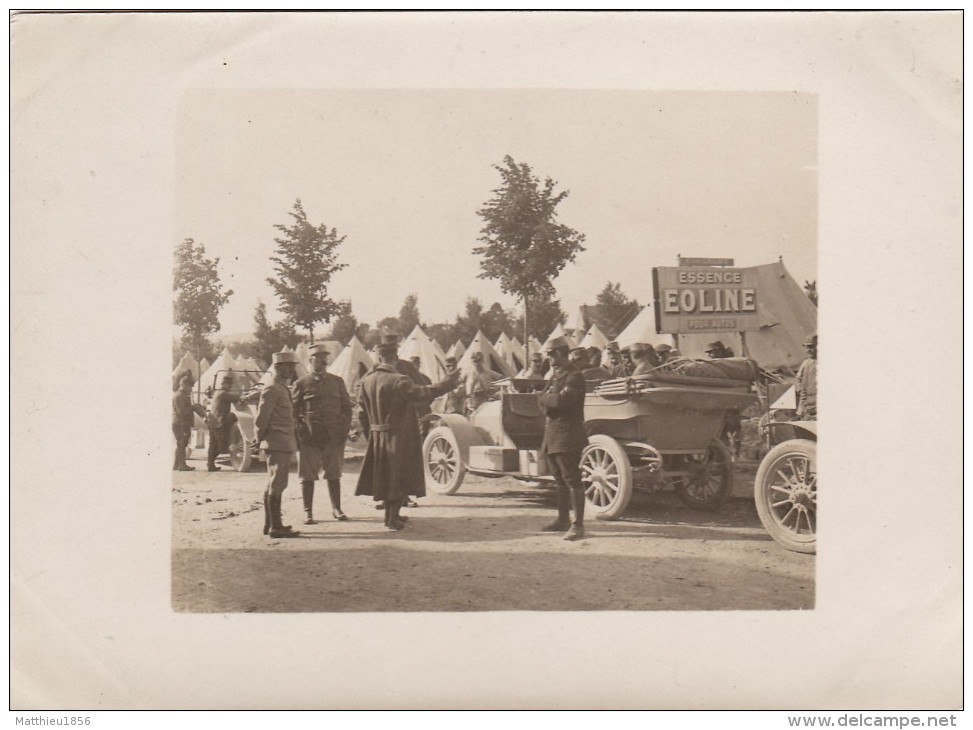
[{"x": 401, "y": 174}]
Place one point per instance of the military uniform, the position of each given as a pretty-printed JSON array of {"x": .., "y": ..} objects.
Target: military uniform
[
  {"x": 564, "y": 440},
  {"x": 806, "y": 388},
  {"x": 183, "y": 409},
  {"x": 479, "y": 387},
  {"x": 276, "y": 434},
  {"x": 393, "y": 469},
  {"x": 323, "y": 412},
  {"x": 219, "y": 421}
]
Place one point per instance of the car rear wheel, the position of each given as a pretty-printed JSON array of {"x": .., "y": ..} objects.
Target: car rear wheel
[
  {"x": 241, "y": 451},
  {"x": 607, "y": 477},
  {"x": 442, "y": 461},
  {"x": 709, "y": 478},
  {"x": 786, "y": 493}
]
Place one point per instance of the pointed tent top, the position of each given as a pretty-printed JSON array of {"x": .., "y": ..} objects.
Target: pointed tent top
[
  {"x": 559, "y": 331},
  {"x": 642, "y": 329},
  {"x": 224, "y": 362},
  {"x": 491, "y": 359},
  {"x": 510, "y": 354},
  {"x": 456, "y": 350},
  {"x": 353, "y": 362},
  {"x": 431, "y": 359},
  {"x": 594, "y": 338},
  {"x": 187, "y": 362},
  {"x": 579, "y": 322}
]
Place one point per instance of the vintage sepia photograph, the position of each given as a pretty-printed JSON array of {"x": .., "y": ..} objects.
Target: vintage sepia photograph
[
  {"x": 468, "y": 346},
  {"x": 470, "y": 361}
]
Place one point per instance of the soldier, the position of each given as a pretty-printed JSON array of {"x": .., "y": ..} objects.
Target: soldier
[
  {"x": 456, "y": 400},
  {"x": 628, "y": 366},
  {"x": 594, "y": 370},
  {"x": 718, "y": 351},
  {"x": 182, "y": 422},
  {"x": 615, "y": 365},
  {"x": 220, "y": 420},
  {"x": 275, "y": 433},
  {"x": 323, "y": 412},
  {"x": 393, "y": 468},
  {"x": 479, "y": 383},
  {"x": 565, "y": 439},
  {"x": 536, "y": 368},
  {"x": 643, "y": 356},
  {"x": 663, "y": 352},
  {"x": 806, "y": 386}
]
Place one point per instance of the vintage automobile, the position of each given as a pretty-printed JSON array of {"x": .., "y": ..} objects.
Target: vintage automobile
[
  {"x": 650, "y": 432},
  {"x": 786, "y": 487},
  {"x": 243, "y": 449}
]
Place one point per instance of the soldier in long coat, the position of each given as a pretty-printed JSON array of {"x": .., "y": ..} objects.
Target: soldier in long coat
[
  {"x": 393, "y": 468},
  {"x": 564, "y": 439}
]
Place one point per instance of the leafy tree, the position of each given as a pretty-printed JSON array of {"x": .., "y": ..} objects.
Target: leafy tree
[
  {"x": 494, "y": 321},
  {"x": 444, "y": 334},
  {"x": 469, "y": 323},
  {"x": 615, "y": 310},
  {"x": 270, "y": 338},
  {"x": 811, "y": 289},
  {"x": 305, "y": 261},
  {"x": 199, "y": 296},
  {"x": 523, "y": 244},
  {"x": 345, "y": 327},
  {"x": 409, "y": 315},
  {"x": 546, "y": 314}
]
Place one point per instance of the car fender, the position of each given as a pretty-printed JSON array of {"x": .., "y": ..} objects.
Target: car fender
[{"x": 464, "y": 431}]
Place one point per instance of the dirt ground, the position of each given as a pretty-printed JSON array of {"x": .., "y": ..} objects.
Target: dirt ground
[{"x": 477, "y": 550}]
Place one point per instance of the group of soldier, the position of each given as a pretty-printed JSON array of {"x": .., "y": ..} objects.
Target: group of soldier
[{"x": 312, "y": 416}]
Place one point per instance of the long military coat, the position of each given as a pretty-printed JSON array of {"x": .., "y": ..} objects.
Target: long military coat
[
  {"x": 563, "y": 402},
  {"x": 393, "y": 461}
]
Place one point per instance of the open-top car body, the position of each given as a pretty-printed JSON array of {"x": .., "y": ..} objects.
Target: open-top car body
[{"x": 648, "y": 433}]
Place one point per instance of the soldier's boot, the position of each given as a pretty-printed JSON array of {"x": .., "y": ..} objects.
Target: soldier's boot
[
  {"x": 307, "y": 494},
  {"x": 563, "y": 521},
  {"x": 334, "y": 492},
  {"x": 395, "y": 522},
  {"x": 267, "y": 518},
  {"x": 277, "y": 528},
  {"x": 576, "y": 531}
]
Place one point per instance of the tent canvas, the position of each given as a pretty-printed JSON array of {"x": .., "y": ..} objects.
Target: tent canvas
[
  {"x": 431, "y": 358},
  {"x": 559, "y": 331},
  {"x": 224, "y": 362},
  {"x": 491, "y": 358},
  {"x": 594, "y": 338},
  {"x": 353, "y": 362},
  {"x": 187, "y": 362},
  {"x": 642, "y": 329},
  {"x": 787, "y": 318},
  {"x": 457, "y": 350},
  {"x": 505, "y": 349}
]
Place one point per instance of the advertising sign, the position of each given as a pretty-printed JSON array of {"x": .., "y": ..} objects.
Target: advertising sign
[{"x": 704, "y": 299}]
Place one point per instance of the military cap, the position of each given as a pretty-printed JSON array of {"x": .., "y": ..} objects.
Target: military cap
[
  {"x": 227, "y": 378},
  {"x": 663, "y": 347},
  {"x": 450, "y": 360},
  {"x": 715, "y": 346},
  {"x": 639, "y": 347},
  {"x": 558, "y": 343},
  {"x": 317, "y": 349},
  {"x": 476, "y": 356},
  {"x": 536, "y": 356},
  {"x": 812, "y": 341},
  {"x": 280, "y": 358},
  {"x": 594, "y": 350},
  {"x": 613, "y": 346}
]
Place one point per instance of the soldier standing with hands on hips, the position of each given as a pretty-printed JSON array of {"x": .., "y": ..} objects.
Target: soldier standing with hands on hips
[
  {"x": 565, "y": 439},
  {"x": 275, "y": 434},
  {"x": 323, "y": 411}
]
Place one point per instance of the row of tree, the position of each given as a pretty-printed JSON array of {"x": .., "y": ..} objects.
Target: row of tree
[{"x": 522, "y": 245}]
